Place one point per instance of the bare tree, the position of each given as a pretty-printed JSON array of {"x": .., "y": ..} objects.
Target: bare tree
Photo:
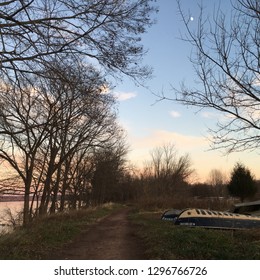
[
  {"x": 32, "y": 32},
  {"x": 44, "y": 122},
  {"x": 22, "y": 132},
  {"x": 77, "y": 184},
  {"x": 167, "y": 168},
  {"x": 216, "y": 178},
  {"x": 218, "y": 181},
  {"x": 84, "y": 119},
  {"x": 226, "y": 59}
]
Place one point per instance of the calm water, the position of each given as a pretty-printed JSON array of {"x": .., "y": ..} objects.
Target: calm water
[{"x": 15, "y": 207}]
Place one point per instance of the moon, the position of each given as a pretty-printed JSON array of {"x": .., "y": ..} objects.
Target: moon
[{"x": 191, "y": 18}]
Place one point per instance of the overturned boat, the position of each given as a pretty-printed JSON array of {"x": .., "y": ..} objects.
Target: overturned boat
[
  {"x": 216, "y": 219},
  {"x": 247, "y": 208},
  {"x": 171, "y": 215}
]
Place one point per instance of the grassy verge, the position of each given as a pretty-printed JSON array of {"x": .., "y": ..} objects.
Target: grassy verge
[
  {"x": 50, "y": 233},
  {"x": 165, "y": 241}
]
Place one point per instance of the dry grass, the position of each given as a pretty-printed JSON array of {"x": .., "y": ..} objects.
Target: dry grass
[
  {"x": 165, "y": 241},
  {"x": 47, "y": 234},
  {"x": 181, "y": 202}
]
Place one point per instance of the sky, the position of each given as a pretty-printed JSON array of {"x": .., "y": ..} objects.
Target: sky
[{"x": 150, "y": 123}]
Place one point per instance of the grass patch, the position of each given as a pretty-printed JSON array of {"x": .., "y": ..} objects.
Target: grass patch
[
  {"x": 49, "y": 233},
  {"x": 165, "y": 241}
]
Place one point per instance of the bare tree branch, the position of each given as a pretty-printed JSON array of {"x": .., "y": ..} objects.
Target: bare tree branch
[
  {"x": 105, "y": 30},
  {"x": 226, "y": 62}
]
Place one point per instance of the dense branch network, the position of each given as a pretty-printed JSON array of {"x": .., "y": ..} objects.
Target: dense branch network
[{"x": 104, "y": 31}]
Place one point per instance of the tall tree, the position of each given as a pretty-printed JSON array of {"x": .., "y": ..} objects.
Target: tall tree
[
  {"x": 241, "y": 184},
  {"x": 84, "y": 118},
  {"x": 226, "y": 61},
  {"x": 22, "y": 132},
  {"x": 44, "y": 122}
]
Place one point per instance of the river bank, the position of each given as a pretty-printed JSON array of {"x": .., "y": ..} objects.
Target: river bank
[
  {"x": 49, "y": 234},
  {"x": 56, "y": 236}
]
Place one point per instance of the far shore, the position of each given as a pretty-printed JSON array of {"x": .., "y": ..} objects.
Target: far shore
[{"x": 10, "y": 198}]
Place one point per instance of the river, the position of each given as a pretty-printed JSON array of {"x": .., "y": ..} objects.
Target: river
[{"x": 9, "y": 210}]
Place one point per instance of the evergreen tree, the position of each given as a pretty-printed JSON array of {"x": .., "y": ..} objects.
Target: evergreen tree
[{"x": 241, "y": 184}]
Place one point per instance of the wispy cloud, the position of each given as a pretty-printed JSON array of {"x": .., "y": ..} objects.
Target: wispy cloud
[
  {"x": 175, "y": 114},
  {"x": 122, "y": 96},
  {"x": 141, "y": 146},
  {"x": 158, "y": 137}
]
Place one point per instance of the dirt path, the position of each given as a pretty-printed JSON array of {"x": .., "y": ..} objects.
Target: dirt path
[{"x": 113, "y": 238}]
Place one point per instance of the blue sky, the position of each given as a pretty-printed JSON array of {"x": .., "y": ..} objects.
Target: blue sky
[{"x": 149, "y": 123}]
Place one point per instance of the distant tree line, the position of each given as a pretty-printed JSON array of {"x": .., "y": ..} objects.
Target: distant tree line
[{"x": 167, "y": 181}]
